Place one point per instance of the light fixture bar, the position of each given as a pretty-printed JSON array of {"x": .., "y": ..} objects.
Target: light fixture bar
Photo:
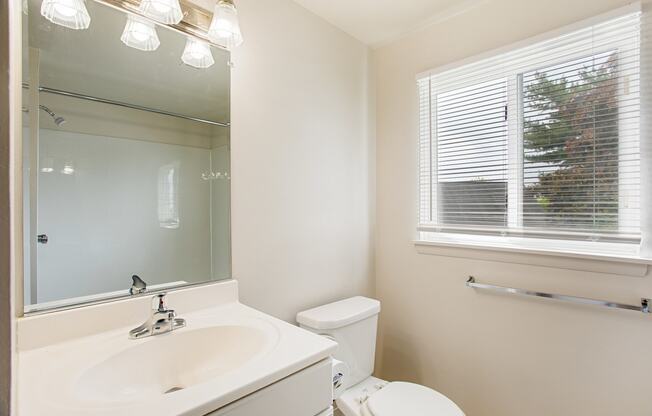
[{"x": 196, "y": 20}]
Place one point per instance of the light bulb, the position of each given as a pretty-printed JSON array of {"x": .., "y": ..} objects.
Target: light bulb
[
  {"x": 225, "y": 28},
  {"x": 164, "y": 11},
  {"x": 140, "y": 34},
  {"x": 67, "y": 13},
  {"x": 47, "y": 165},
  {"x": 197, "y": 54},
  {"x": 65, "y": 10},
  {"x": 68, "y": 169}
]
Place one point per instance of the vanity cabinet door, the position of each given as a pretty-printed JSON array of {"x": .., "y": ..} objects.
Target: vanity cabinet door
[{"x": 305, "y": 393}]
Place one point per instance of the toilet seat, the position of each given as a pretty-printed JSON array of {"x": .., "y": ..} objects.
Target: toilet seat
[{"x": 399, "y": 398}]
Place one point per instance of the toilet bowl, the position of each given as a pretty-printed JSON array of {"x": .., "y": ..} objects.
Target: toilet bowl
[
  {"x": 376, "y": 397},
  {"x": 352, "y": 323}
]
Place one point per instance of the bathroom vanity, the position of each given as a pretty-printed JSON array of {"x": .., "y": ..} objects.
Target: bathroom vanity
[{"x": 229, "y": 359}]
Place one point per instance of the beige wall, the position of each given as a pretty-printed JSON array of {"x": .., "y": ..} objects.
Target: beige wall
[
  {"x": 301, "y": 161},
  {"x": 494, "y": 355}
]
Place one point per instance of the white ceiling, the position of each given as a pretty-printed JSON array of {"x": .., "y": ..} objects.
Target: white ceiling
[{"x": 375, "y": 22}]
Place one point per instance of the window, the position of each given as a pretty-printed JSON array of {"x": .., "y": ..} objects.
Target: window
[{"x": 539, "y": 142}]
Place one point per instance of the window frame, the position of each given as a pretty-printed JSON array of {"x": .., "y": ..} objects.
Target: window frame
[{"x": 515, "y": 236}]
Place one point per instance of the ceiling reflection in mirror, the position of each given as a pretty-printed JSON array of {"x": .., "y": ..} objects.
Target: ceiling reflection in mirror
[{"x": 126, "y": 158}]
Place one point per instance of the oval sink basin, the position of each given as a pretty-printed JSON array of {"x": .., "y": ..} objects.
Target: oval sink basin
[{"x": 172, "y": 362}]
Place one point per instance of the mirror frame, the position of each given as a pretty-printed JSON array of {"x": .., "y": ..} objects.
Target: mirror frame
[{"x": 195, "y": 23}]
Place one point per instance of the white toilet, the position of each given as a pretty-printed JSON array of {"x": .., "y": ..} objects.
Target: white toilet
[{"x": 352, "y": 324}]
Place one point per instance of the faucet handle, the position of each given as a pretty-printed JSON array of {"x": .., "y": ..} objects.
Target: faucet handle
[
  {"x": 138, "y": 286},
  {"x": 158, "y": 302}
]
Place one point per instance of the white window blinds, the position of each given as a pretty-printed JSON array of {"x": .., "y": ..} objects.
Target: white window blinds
[
  {"x": 540, "y": 141},
  {"x": 471, "y": 160}
]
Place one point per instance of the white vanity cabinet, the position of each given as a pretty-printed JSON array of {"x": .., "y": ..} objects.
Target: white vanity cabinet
[{"x": 305, "y": 393}]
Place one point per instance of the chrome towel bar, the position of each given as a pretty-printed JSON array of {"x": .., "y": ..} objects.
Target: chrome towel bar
[{"x": 644, "y": 307}]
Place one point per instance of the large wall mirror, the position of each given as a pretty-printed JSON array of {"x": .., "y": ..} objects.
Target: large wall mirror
[{"x": 126, "y": 158}]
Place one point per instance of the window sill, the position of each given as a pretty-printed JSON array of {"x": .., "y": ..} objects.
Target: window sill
[{"x": 560, "y": 255}]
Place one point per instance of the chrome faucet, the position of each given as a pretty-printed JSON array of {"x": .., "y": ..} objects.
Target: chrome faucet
[{"x": 162, "y": 320}]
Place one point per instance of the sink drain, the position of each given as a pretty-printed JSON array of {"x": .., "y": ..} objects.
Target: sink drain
[{"x": 172, "y": 390}]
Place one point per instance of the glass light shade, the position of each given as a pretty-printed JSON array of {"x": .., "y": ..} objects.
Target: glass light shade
[
  {"x": 164, "y": 11},
  {"x": 67, "y": 13},
  {"x": 225, "y": 28},
  {"x": 140, "y": 34},
  {"x": 197, "y": 54}
]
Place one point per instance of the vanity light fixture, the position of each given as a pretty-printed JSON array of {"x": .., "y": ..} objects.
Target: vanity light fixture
[
  {"x": 140, "y": 34},
  {"x": 164, "y": 11},
  {"x": 197, "y": 54},
  {"x": 67, "y": 13},
  {"x": 225, "y": 28}
]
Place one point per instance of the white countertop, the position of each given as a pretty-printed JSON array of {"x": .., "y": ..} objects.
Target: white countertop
[{"x": 49, "y": 375}]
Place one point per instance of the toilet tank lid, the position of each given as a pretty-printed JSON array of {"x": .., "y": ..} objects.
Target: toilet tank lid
[{"x": 339, "y": 314}]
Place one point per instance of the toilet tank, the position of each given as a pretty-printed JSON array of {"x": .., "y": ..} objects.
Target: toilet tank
[{"x": 352, "y": 323}]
